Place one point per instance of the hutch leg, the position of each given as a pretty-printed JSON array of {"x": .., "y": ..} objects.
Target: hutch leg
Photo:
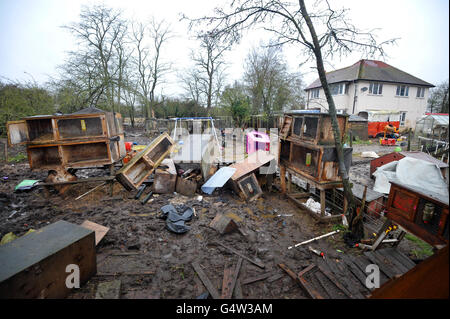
[
  {"x": 289, "y": 184},
  {"x": 283, "y": 178},
  {"x": 111, "y": 187},
  {"x": 322, "y": 203}
]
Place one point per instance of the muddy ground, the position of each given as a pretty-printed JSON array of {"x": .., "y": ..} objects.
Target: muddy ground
[{"x": 138, "y": 241}]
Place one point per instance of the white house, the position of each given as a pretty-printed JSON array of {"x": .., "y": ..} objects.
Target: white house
[{"x": 370, "y": 85}]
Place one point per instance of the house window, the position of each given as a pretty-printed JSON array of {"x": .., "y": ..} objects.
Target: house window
[
  {"x": 420, "y": 92},
  {"x": 337, "y": 89},
  {"x": 376, "y": 88},
  {"x": 315, "y": 93},
  {"x": 402, "y": 90},
  {"x": 402, "y": 118}
]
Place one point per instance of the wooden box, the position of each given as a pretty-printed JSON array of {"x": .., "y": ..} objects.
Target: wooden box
[
  {"x": 34, "y": 265},
  {"x": 314, "y": 128},
  {"x": 136, "y": 171},
  {"x": 75, "y": 140},
  {"x": 307, "y": 146},
  {"x": 406, "y": 207}
]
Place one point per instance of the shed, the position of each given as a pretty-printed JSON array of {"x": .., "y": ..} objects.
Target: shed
[
  {"x": 433, "y": 125},
  {"x": 358, "y": 126},
  {"x": 396, "y": 156}
]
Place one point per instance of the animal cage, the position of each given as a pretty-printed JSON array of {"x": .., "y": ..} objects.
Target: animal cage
[{"x": 89, "y": 138}]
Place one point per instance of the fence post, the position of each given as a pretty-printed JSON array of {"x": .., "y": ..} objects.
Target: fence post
[{"x": 409, "y": 139}]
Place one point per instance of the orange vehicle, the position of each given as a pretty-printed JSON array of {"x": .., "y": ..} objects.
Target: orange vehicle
[{"x": 379, "y": 120}]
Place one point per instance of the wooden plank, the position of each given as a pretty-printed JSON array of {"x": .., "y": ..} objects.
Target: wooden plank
[
  {"x": 428, "y": 280},
  {"x": 403, "y": 258},
  {"x": 388, "y": 262},
  {"x": 347, "y": 279},
  {"x": 389, "y": 255},
  {"x": 256, "y": 278},
  {"x": 205, "y": 280},
  {"x": 234, "y": 278},
  {"x": 227, "y": 290},
  {"x": 257, "y": 263},
  {"x": 322, "y": 281},
  {"x": 100, "y": 231},
  {"x": 383, "y": 267},
  {"x": 312, "y": 293},
  {"x": 251, "y": 163},
  {"x": 304, "y": 271},
  {"x": 356, "y": 272},
  {"x": 309, "y": 289},
  {"x": 336, "y": 282},
  {"x": 237, "y": 292}
]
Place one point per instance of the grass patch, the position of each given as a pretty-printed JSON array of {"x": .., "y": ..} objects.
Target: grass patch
[
  {"x": 423, "y": 249},
  {"x": 358, "y": 141},
  {"x": 18, "y": 158}
]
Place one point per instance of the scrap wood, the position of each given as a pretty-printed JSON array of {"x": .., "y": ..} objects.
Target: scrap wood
[
  {"x": 235, "y": 278},
  {"x": 237, "y": 292},
  {"x": 100, "y": 231},
  {"x": 212, "y": 290},
  {"x": 257, "y": 278},
  {"x": 88, "y": 192},
  {"x": 302, "y": 281},
  {"x": 257, "y": 263},
  {"x": 226, "y": 284},
  {"x": 333, "y": 279},
  {"x": 123, "y": 273}
]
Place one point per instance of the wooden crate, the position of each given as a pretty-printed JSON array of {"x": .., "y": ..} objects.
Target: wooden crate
[
  {"x": 405, "y": 207},
  {"x": 136, "y": 171},
  {"x": 74, "y": 140},
  {"x": 34, "y": 266}
]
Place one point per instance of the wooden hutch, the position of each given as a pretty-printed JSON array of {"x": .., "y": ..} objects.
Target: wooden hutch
[
  {"x": 420, "y": 212},
  {"x": 307, "y": 150},
  {"x": 88, "y": 138}
]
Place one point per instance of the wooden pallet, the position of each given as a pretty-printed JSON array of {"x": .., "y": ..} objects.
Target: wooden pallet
[{"x": 345, "y": 278}]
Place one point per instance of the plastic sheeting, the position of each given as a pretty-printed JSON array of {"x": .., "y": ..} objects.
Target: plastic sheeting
[
  {"x": 413, "y": 172},
  {"x": 218, "y": 179}
]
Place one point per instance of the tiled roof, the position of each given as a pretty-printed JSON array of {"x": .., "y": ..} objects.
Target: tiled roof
[{"x": 370, "y": 70}]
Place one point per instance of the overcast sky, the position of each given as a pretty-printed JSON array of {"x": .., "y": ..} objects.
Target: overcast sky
[{"x": 33, "y": 42}]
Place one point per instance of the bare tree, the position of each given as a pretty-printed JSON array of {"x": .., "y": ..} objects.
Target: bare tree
[
  {"x": 270, "y": 84},
  {"x": 191, "y": 82},
  {"x": 291, "y": 23},
  {"x": 148, "y": 59},
  {"x": 98, "y": 31},
  {"x": 210, "y": 64}
]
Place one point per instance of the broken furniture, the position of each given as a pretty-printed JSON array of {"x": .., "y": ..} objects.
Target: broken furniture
[
  {"x": 396, "y": 156},
  {"x": 136, "y": 171},
  {"x": 34, "y": 266},
  {"x": 307, "y": 150},
  {"x": 257, "y": 167},
  {"x": 420, "y": 212}
]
